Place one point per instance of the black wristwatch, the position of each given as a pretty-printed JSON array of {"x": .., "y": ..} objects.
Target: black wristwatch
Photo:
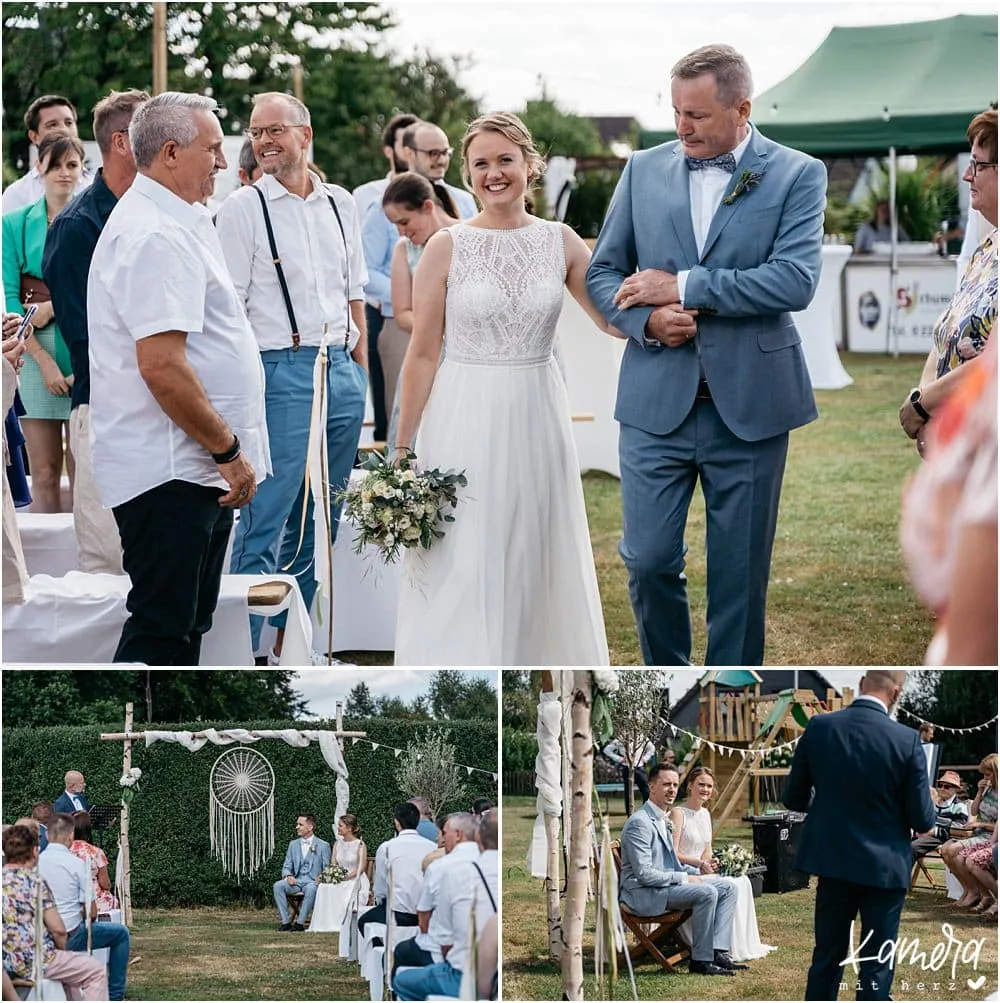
[
  {"x": 917, "y": 406},
  {"x": 230, "y": 454}
]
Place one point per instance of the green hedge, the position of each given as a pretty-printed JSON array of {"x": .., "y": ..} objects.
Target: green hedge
[
  {"x": 519, "y": 750},
  {"x": 171, "y": 857}
]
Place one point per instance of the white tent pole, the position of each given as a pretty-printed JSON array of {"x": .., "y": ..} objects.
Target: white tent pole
[{"x": 891, "y": 335}]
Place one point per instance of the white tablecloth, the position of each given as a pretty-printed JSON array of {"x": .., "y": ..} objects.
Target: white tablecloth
[
  {"x": 78, "y": 618},
  {"x": 821, "y": 323}
]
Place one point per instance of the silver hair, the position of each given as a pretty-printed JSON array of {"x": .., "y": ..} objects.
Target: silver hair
[
  {"x": 299, "y": 110},
  {"x": 733, "y": 80},
  {"x": 464, "y": 822},
  {"x": 168, "y": 116}
]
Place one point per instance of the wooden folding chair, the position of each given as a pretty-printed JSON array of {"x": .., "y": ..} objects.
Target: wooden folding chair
[
  {"x": 655, "y": 935},
  {"x": 920, "y": 868}
]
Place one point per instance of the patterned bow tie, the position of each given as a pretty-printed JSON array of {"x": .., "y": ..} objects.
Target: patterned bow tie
[{"x": 725, "y": 162}]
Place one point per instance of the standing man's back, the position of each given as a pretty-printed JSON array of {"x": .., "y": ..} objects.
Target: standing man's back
[{"x": 862, "y": 778}]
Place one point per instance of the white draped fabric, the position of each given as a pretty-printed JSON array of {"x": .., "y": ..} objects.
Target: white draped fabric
[{"x": 548, "y": 777}]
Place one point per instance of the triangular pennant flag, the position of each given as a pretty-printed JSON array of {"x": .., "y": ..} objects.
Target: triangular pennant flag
[
  {"x": 354, "y": 741},
  {"x": 468, "y": 771},
  {"x": 494, "y": 778},
  {"x": 397, "y": 752},
  {"x": 374, "y": 746}
]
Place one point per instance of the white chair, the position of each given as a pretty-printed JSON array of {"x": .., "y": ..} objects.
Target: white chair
[
  {"x": 50, "y": 991},
  {"x": 372, "y": 931},
  {"x": 373, "y": 970}
]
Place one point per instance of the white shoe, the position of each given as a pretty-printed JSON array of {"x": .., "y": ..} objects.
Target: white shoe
[{"x": 315, "y": 658}]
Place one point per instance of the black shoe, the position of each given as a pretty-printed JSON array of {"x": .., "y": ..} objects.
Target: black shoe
[
  {"x": 707, "y": 968},
  {"x": 723, "y": 960},
  {"x": 297, "y": 928},
  {"x": 285, "y": 927}
]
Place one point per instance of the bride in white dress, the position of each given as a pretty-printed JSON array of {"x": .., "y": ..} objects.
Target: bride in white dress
[
  {"x": 350, "y": 853},
  {"x": 513, "y": 581},
  {"x": 693, "y": 842}
]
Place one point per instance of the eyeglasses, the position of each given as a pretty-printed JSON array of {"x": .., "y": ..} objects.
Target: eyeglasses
[
  {"x": 274, "y": 131},
  {"x": 950, "y": 787},
  {"x": 975, "y": 166},
  {"x": 436, "y": 154}
]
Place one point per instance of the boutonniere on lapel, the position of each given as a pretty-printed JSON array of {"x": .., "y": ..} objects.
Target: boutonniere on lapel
[{"x": 748, "y": 180}]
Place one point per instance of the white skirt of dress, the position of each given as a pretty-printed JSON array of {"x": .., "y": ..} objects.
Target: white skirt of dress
[
  {"x": 745, "y": 943},
  {"x": 513, "y": 581}
]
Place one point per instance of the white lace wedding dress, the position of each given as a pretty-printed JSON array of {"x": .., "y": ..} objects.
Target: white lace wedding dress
[
  {"x": 347, "y": 854},
  {"x": 746, "y": 944},
  {"x": 513, "y": 581}
]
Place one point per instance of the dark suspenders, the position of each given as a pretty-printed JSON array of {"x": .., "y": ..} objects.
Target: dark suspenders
[{"x": 276, "y": 258}]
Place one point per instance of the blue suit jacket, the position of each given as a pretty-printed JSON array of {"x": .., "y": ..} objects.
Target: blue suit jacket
[
  {"x": 649, "y": 864},
  {"x": 871, "y": 789},
  {"x": 306, "y": 868},
  {"x": 64, "y": 804},
  {"x": 761, "y": 262}
]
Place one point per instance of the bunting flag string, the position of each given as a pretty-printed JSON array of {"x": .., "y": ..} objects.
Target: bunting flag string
[
  {"x": 943, "y": 727},
  {"x": 729, "y": 750},
  {"x": 398, "y": 752}
]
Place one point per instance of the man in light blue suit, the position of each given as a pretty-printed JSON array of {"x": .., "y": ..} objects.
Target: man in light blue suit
[
  {"x": 654, "y": 881},
  {"x": 304, "y": 862},
  {"x": 710, "y": 244}
]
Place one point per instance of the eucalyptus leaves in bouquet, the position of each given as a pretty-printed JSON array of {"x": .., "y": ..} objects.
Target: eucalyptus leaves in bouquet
[
  {"x": 734, "y": 860},
  {"x": 397, "y": 507}
]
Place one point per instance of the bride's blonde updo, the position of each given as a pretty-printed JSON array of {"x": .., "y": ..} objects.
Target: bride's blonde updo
[
  {"x": 352, "y": 824},
  {"x": 508, "y": 125}
]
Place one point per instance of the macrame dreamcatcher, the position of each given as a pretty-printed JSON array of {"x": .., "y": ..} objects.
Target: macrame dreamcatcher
[{"x": 241, "y": 811}]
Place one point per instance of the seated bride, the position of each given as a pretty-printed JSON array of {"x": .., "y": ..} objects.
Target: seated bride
[
  {"x": 692, "y": 833},
  {"x": 345, "y": 876}
]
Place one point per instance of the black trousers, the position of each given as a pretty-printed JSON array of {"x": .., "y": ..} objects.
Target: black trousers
[
  {"x": 174, "y": 540},
  {"x": 641, "y": 780},
  {"x": 376, "y": 378},
  {"x": 410, "y": 955},
  {"x": 838, "y": 903},
  {"x": 377, "y": 915}
]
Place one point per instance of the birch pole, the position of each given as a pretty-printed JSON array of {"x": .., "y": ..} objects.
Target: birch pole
[
  {"x": 581, "y": 839},
  {"x": 552, "y": 904},
  {"x": 126, "y": 854}
]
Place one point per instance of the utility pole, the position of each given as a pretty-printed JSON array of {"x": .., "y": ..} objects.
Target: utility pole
[{"x": 159, "y": 48}]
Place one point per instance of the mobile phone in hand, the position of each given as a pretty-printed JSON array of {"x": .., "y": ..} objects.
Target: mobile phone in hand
[{"x": 22, "y": 328}]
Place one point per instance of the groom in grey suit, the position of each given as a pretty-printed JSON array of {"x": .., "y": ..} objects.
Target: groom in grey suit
[
  {"x": 710, "y": 244},
  {"x": 654, "y": 881},
  {"x": 304, "y": 862}
]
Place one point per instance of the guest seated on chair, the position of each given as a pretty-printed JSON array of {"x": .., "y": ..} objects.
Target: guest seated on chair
[
  {"x": 982, "y": 864},
  {"x": 68, "y": 878},
  {"x": 426, "y": 826},
  {"x": 304, "y": 861},
  {"x": 96, "y": 860},
  {"x": 956, "y": 851},
  {"x": 654, "y": 881},
  {"x": 41, "y": 812},
  {"x": 404, "y": 854},
  {"x": 83, "y": 977},
  {"x": 951, "y": 810}
]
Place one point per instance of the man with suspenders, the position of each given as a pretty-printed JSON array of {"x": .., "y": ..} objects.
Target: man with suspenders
[{"x": 293, "y": 246}]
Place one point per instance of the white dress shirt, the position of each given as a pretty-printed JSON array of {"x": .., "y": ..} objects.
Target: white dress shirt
[
  {"x": 460, "y": 888},
  {"x": 68, "y": 878},
  {"x": 158, "y": 267},
  {"x": 706, "y": 188},
  {"x": 405, "y": 854},
  {"x": 311, "y": 248},
  {"x": 31, "y": 188},
  {"x": 437, "y": 933}
]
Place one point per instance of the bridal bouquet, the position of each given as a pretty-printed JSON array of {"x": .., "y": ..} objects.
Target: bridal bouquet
[
  {"x": 396, "y": 506},
  {"x": 332, "y": 874},
  {"x": 734, "y": 860}
]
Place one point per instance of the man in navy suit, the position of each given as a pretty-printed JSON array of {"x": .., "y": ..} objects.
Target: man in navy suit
[
  {"x": 72, "y": 799},
  {"x": 867, "y": 778}
]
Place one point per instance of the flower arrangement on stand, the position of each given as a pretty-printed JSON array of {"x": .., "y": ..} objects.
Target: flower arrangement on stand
[
  {"x": 129, "y": 784},
  {"x": 397, "y": 507}
]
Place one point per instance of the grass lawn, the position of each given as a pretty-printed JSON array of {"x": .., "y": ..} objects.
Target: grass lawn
[
  {"x": 784, "y": 920},
  {"x": 235, "y": 954},
  {"x": 838, "y": 593}
]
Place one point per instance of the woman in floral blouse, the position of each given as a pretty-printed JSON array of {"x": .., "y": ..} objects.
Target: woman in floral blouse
[
  {"x": 83, "y": 976},
  {"x": 95, "y": 858},
  {"x": 961, "y": 332}
]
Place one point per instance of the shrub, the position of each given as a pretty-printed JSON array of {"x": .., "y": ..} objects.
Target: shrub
[{"x": 519, "y": 750}]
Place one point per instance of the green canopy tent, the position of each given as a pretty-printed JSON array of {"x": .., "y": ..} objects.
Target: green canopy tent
[
  {"x": 882, "y": 89},
  {"x": 912, "y": 86}
]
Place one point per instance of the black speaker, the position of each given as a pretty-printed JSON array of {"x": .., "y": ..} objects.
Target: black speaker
[{"x": 776, "y": 840}]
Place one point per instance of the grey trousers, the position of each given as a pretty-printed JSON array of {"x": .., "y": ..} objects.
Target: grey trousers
[{"x": 712, "y": 903}]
